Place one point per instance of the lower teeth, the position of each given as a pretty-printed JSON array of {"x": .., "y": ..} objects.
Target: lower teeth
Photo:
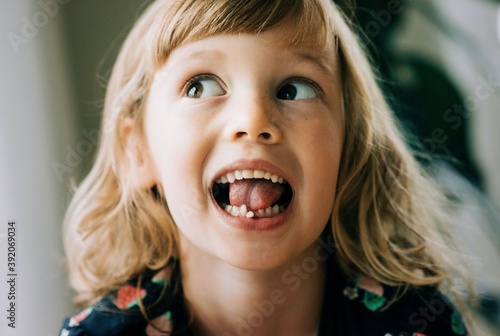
[{"x": 242, "y": 211}]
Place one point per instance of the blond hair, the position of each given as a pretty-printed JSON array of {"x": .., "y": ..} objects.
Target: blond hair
[{"x": 386, "y": 215}]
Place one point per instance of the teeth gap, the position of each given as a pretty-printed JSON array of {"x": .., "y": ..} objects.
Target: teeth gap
[{"x": 242, "y": 211}]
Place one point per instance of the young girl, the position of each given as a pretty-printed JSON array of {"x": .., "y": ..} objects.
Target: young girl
[{"x": 251, "y": 181}]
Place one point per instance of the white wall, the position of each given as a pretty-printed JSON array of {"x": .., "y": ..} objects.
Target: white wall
[{"x": 36, "y": 121}]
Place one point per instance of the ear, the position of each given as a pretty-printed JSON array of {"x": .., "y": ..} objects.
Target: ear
[{"x": 138, "y": 162}]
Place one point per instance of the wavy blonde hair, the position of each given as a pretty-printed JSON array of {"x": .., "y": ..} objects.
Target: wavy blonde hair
[{"x": 387, "y": 214}]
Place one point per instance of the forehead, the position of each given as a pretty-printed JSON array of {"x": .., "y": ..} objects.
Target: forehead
[{"x": 273, "y": 43}]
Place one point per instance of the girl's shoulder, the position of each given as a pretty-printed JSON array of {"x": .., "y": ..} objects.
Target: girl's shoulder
[
  {"x": 145, "y": 305},
  {"x": 366, "y": 307}
]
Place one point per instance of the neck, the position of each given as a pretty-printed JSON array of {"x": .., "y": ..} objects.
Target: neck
[{"x": 224, "y": 300}]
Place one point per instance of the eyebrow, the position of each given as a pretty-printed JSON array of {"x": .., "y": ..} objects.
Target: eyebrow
[
  {"x": 319, "y": 61},
  {"x": 207, "y": 54}
]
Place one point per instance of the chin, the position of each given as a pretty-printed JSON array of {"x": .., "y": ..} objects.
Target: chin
[{"x": 257, "y": 257}]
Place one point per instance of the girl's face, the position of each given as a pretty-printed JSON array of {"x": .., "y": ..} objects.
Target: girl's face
[{"x": 246, "y": 108}]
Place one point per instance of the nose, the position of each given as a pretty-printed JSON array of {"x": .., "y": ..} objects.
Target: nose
[{"x": 256, "y": 120}]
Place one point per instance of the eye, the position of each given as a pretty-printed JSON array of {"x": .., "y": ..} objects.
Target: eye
[
  {"x": 203, "y": 86},
  {"x": 298, "y": 89}
]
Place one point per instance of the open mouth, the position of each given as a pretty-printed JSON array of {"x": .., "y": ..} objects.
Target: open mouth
[{"x": 252, "y": 193}]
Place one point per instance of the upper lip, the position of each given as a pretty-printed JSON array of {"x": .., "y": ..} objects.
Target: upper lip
[{"x": 252, "y": 164}]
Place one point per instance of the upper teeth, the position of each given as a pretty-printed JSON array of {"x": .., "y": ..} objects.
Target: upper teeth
[{"x": 249, "y": 174}]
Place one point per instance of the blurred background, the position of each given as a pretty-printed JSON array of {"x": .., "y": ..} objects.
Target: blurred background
[{"x": 439, "y": 62}]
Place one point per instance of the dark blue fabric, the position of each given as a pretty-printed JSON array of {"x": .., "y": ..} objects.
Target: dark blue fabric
[{"x": 422, "y": 311}]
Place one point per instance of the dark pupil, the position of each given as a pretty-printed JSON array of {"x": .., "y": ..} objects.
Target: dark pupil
[
  {"x": 287, "y": 92},
  {"x": 195, "y": 90}
]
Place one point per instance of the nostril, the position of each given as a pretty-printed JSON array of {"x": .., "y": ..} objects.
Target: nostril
[
  {"x": 266, "y": 135},
  {"x": 262, "y": 136}
]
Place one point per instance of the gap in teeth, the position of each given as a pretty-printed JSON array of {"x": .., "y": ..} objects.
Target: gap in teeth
[
  {"x": 249, "y": 174},
  {"x": 242, "y": 211}
]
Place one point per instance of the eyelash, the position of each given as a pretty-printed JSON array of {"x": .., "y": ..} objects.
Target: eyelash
[
  {"x": 304, "y": 80},
  {"x": 197, "y": 78}
]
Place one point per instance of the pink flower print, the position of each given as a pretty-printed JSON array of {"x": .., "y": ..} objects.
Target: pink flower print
[
  {"x": 163, "y": 276},
  {"x": 369, "y": 284},
  {"x": 75, "y": 320},
  {"x": 128, "y": 296},
  {"x": 163, "y": 325}
]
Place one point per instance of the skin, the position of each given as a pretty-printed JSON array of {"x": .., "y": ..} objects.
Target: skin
[{"x": 242, "y": 115}]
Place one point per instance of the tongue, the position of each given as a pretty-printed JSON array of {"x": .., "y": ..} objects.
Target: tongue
[{"x": 255, "y": 194}]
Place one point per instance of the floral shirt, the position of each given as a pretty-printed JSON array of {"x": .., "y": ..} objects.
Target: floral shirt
[{"x": 349, "y": 308}]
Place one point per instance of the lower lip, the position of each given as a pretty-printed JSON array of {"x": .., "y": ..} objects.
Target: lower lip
[{"x": 254, "y": 224}]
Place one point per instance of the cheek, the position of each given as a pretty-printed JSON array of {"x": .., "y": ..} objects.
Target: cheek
[
  {"x": 171, "y": 140},
  {"x": 320, "y": 161},
  {"x": 178, "y": 158}
]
